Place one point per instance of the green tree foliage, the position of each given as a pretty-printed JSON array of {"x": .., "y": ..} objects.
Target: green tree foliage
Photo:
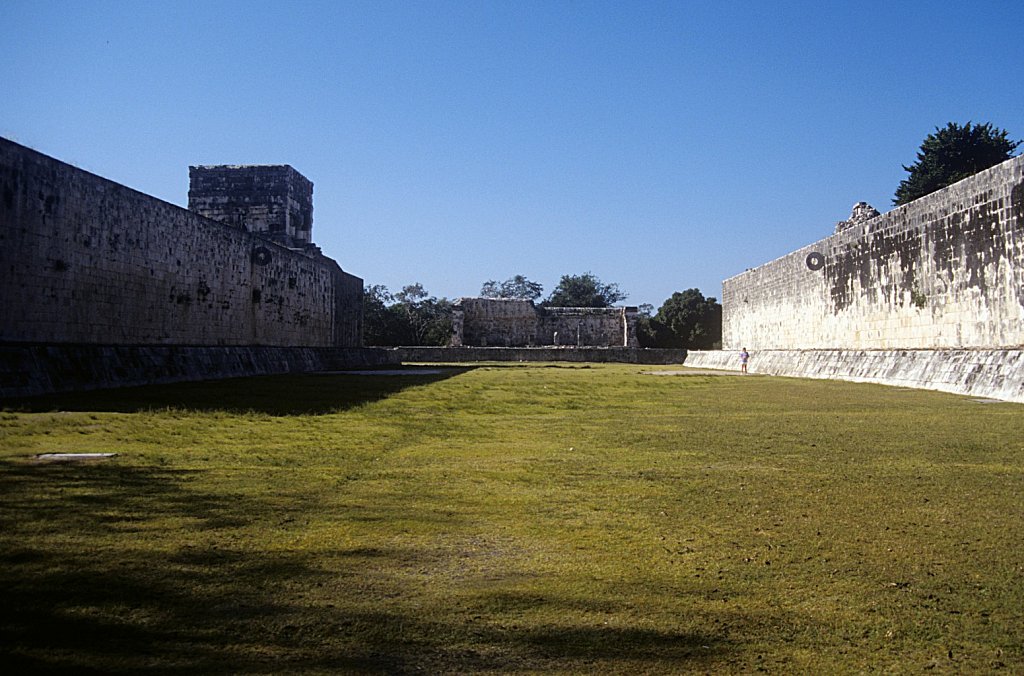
[
  {"x": 687, "y": 320},
  {"x": 518, "y": 288},
  {"x": 952, "y": 154},
  {"x": 379, "y": 323},
  {"x": 427, "y": 320},
  {"x": 584, "y": 290},
  {"x": 645, "y": 330},
  {"x": 410, "y": 317}
]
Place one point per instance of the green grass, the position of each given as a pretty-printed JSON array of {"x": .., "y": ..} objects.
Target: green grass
[{"x": 514, "y": 519}]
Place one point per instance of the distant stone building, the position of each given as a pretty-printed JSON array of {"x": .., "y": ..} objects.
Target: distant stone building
[{"x": 492, "y": 322}]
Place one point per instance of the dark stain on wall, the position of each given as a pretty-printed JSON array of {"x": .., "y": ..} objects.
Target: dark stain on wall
[
  {"x": 965, "y": 244},
  {"x": 972, "y": 237},
  {"x": 861, "y": 260},
  {"x": 1017, "y": 211},
  {"x": 1017, "y": 206}
]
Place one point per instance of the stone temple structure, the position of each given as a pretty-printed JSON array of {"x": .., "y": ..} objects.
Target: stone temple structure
[
  {"x": 273, "y": 200},
  {"x": 862, "y": 213}
]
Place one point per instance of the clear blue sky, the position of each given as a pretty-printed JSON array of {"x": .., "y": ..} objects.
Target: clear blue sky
[{"x": 659, "y": 145}]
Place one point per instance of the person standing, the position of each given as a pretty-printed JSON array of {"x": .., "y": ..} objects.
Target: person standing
[{"x": 744, "y": 357}]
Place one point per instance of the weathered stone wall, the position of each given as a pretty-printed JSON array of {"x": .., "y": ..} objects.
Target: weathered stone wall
[
  {"x": 490, "y": 322},
  {"x": 945, "y": 271},
  {"x": 88, "y": 261},
  {"x": 274, "y": 200},
  {"x": 606, "y": 327}
]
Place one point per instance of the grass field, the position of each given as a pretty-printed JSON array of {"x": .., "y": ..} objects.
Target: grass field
[{"x": 520, "y": 518}]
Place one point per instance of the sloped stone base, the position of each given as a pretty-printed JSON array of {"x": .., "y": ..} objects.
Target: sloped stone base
[
  {"x": 994, "y": 374},
  {"x": 29, "y": 370}
]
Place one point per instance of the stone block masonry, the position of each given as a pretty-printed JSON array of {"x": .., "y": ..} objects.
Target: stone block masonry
[
  {"x": 84, "y": 260},
  {"x": 484, "y": 322},
  {"x": 943, "y": 272}
]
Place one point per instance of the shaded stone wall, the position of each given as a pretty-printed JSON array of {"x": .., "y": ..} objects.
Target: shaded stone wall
[
  {"x": 490, "y": 322},
  {"x": 30, "y": 370},
  {"x": 945, "y": 271},
  {"x": 88, "y": 261},
  {"x": 348, "y": 306}
]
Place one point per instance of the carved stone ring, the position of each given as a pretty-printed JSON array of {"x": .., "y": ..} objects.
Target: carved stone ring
[
  {"x": 261, "y": 255},
  {"x": 815, "y": 261}
]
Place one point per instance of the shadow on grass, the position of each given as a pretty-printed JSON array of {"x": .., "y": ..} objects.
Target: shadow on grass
[
  {"x": 110, "y": 569},
  {"x": 283, "y": 395}
]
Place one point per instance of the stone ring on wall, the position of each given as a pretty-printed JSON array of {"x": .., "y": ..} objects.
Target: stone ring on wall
[
  {"x": 815, "y": 260},
  {"x": 261, "y": 255}
]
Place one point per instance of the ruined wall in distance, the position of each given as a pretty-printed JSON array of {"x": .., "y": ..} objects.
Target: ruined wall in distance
[
  {"x": 491, "y": 322},
  {"x": 604, "y": 327},
  {"x": 496, "y": 322},
  {"x": 945, "y": 271}
]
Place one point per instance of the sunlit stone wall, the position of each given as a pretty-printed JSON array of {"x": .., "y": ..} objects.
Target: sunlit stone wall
[{"x": 945, "y": 271}]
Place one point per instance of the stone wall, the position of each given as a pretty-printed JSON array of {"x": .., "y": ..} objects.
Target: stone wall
[
  {"x": 348, "y": 306},
  {"x": 945, "y": 271},
  {"x": 490, "y": 322},
  {"x": 607, "y": 327},
  {"x": 624, "y": 355},
  {"x": 84, "y": 260}
]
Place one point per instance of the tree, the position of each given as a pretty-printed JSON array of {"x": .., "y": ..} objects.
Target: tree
[
  {"x": 687, "y": 319},
  {"x": 427, "y": 320},
  {"x": 518, "y": 288},
  {"x": 646, "y": 331},
  {"x": 952, "y": 154},
  {"x": 584, "y": 290},
  {"x": 409, "y": 317},
  {"x": 378, "y": 321}
]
